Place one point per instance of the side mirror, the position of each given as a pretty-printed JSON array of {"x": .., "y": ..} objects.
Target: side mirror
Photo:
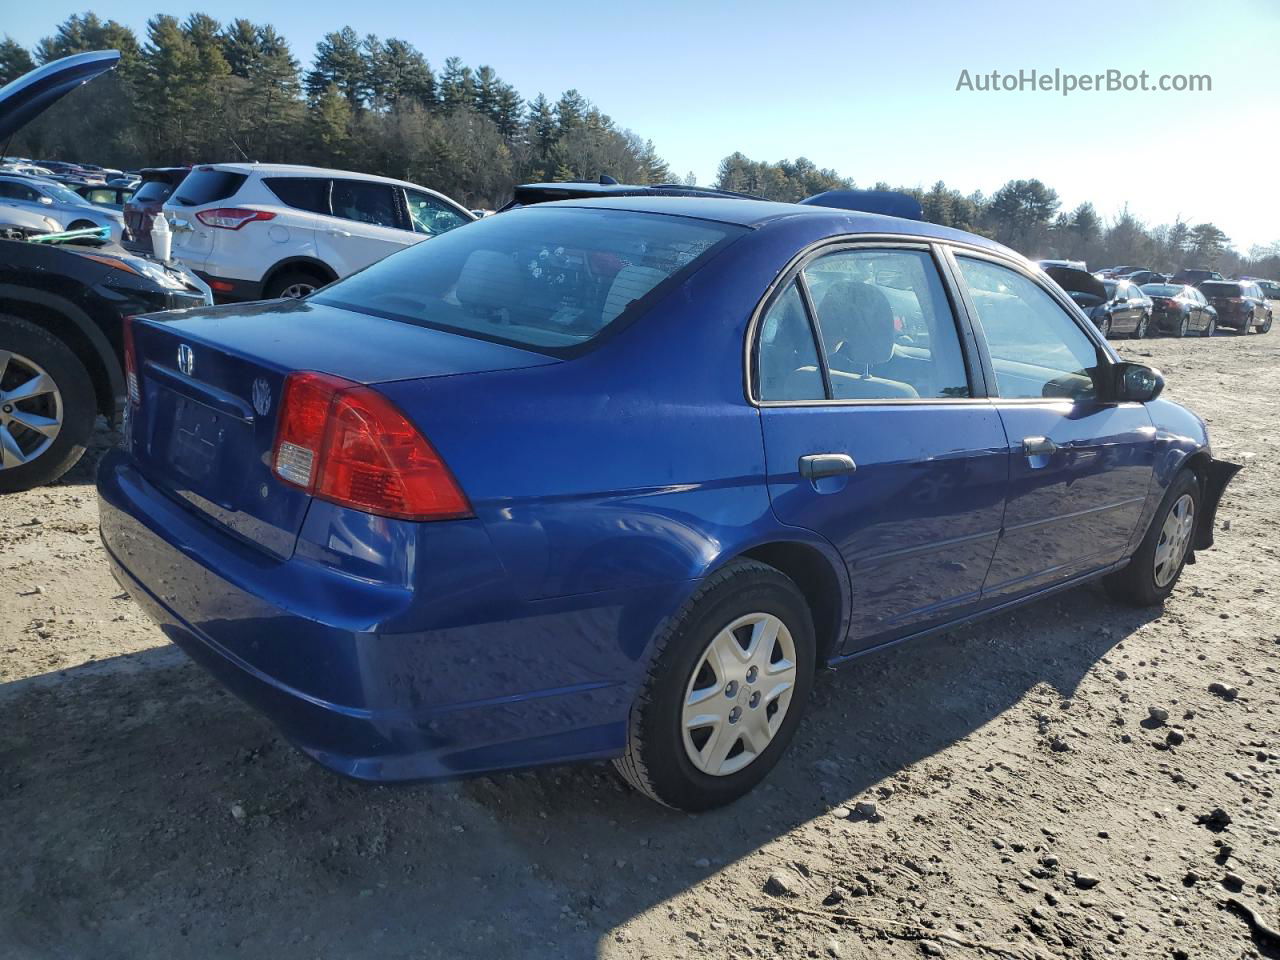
[
  {"x": 46, "y": 201},
  {"x": 1135, "y": 383}
]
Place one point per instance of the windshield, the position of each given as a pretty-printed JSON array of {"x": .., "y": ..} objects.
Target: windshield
[
  {"x": 153, "y": 190},
  {"x": 547, "y": 278},
  {"x": 60, "y": 193},
  {"x": 1162, "y": 289}
]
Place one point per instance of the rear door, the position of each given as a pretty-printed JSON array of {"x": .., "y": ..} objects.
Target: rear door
[
  {"x": 366, "y": 224},
  {"x": 1079, "y": 469},
  {"x": 877, "y": 438}
]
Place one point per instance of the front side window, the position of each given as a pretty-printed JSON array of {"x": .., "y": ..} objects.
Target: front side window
[
  {"x": 543, "y": 277},
  {"x": 1036, "y": 348},
  {"x": 431, "y": 216},
  {"x": 886, "y": 325},
  {"x": 365, "y": 202}
]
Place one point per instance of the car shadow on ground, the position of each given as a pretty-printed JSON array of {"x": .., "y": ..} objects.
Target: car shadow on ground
[{"x": 148, "y": 813}]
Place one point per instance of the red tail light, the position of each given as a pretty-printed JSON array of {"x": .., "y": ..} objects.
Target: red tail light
[
  {"x": 131, "y": 364},
  {"x": 350, "y": 445},
  {"x": 232, "y": 218}
]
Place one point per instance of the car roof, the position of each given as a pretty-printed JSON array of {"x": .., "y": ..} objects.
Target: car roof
[
  {"x": 757, "y": 213},
  {"x": 301, "y": 170}
]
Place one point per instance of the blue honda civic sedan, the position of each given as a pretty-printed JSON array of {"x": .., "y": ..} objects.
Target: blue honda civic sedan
[{"x": 610, "y": 478}]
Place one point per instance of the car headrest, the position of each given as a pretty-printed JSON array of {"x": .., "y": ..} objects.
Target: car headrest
[
  {"x": 489, "y": 281},
  {"x": 858, "y": 319},
  {"x": 630, "y": 283}
]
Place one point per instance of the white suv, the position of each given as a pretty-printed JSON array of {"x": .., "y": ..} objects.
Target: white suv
[{"x": 259, "y": 230}]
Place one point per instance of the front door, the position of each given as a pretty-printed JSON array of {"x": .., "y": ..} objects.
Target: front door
[
  {"x": 1079, "y": 469},
  {"x": 876, "y": 438}
]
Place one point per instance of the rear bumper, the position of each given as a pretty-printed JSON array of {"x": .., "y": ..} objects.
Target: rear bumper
[
  {"x": 530, "y": 683},
  {"x": 230, "y": 290}
]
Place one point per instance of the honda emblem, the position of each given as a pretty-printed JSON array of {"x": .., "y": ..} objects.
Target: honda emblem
[{"x": 186, "y": 359}]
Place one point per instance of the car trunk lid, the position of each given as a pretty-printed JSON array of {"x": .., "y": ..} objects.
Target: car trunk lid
[{"x": 210, "y": 384}]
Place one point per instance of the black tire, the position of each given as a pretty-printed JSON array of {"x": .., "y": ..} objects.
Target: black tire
[
  {"x": 286, "y": 279},
  {"x": 1140, "y": 331},
  {"x": 1246, "y": 327},
  {"x": 1211, "y": 327},
  {"x": 82, "y": 225},
  {"x": 656, "y": 761},
  {"x": 1136, "y": 583},
  {"x": 1266, "y": 325},
  {"x": 1105, "y": 326},
  {"x": 1181, "y": 329},
  {"x": 79, "y": 406}
]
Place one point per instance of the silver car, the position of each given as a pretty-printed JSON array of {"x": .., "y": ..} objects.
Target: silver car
[{"x": 51, "y": 199}]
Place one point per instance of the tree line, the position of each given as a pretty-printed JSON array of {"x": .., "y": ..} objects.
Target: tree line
[
  {"x": 197, "y": 90},
  {"x": 1026, "y": 215}
]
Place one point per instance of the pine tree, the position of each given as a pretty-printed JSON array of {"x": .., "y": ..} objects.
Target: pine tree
[
  {"x": 340, "y": 64},
  {"x": 457, "y": 86},
  {"x": 329, "y": 126},
  {"x": 14, "y": 60},
  {"x": 404, "y": 77}
]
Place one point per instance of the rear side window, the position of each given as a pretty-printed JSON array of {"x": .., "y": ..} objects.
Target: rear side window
[
  {"x": 788, "y": 359},
  {"x": 887, "y": 326},
  {"x": 301, "y": 193},
  {"x": 205, "y": 185},
  {"x": 548, "y": 278},
  {"x": 365, "y": 202},
  {"x": 1036, "y": 348},
  {"x": 153, "y": 191}
]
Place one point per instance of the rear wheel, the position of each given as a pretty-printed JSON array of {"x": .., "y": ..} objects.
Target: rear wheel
[
  {"x": 729, "y": 680},
  {"x": 1211, "y": 327},
  {"x": 1140, "y": 330},
  {"x": 1104, "y": 326},
  {"x": 1181, "y": 329},
  {"x": 1266, "y": 325},
  {"x": 293, "y": 284},
  {"x": 1155, "y": 567},
  {"x": 47, "y": 406}
]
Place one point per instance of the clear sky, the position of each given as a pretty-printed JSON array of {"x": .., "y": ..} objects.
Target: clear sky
[{"x": 869, "y": 88}]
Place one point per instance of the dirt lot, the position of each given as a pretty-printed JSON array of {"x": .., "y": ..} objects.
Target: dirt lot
[{"x": 1027, "y": 807}]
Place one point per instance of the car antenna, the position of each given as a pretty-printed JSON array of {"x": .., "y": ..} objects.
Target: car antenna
[
  {"x": 607, "y": 181},
  {"x": 237, "y": 146}
]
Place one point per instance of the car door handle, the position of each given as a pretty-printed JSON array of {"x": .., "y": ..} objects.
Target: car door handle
[
  {"x": 1038, "y": 446},
  {"x": 815, "y": 466}
]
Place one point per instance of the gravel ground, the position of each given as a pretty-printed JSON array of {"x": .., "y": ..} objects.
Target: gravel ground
[{"x": 1026, "y": 802}]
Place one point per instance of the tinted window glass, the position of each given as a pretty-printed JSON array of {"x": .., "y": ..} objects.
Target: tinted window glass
[
  {"x": 365, "y": 202},
  {"x": 1036, "y": 348},
  {"x": 19, "y": 191},
  {"x": 431, "y": 216},
  {"x": 1110, "y": 286},
  {"x": 1162, "y": 290},
  {"x": 203, "y": 186},
  {"x": 788, "y": 358},
  {"x": 302, "y": 193},
  {"x": 153, "y": 191},
  {"x": 1220, "y": 289},
  {"x": 543, "y": 277},
  {"x": 887, "y": 326}
]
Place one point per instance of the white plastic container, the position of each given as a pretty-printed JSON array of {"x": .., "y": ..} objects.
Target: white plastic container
[{"x": 161, "y": 239}]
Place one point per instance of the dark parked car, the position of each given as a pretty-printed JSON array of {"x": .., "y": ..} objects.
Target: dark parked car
[
  {"x": 62, "y": 312},
  {"x": 612, "y": 477},
  {"x": 1195, "y": 277},
  {"x": 1240, "y": 304},
  {"x": 1180, "y": 310},
  {"x": 1121, "y": 308},
  {"x": 141, "y": 210},
  {"x": 1270, "y": 288},
  {"x": 1143, "y": 277}
]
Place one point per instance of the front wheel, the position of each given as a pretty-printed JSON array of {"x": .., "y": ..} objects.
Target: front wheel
[
  {"x": 1155, "y": 567},
  {"x": 729, "y": 679}
]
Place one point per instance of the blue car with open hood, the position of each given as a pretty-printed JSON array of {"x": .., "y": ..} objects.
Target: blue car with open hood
[{"x": 612, "y": 477}]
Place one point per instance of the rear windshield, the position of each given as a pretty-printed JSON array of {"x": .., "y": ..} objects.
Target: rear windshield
[
  {"x": 1162, "y": 289},
  {"x": 207, "y": 186},
  {"x": 1110, "y": 286},
  {"x": 546, "y": 278},
  {"x": 1213, "y": 289},
  {"x": 153, "y": 191}
]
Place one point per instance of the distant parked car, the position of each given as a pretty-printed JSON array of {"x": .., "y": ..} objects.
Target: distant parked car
[
  {"x": 1240, "y": 304},
  {"x": 1195, "y": 276},
  {"x": 1180, "y": 309},
  {"x": 1270, "y": 289},
  {"x": 105, "y": 195},
  {"x": 1069, "y": 264},
  {"x": 1143, "y": 277},
  {"x": 1126, "y": 310},
  {"x": 141, "y": 209},
  {"x": 255, "y": 230},
  {"x": 72, "y": 211},
  {"x": 1110, "y": 273}
]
